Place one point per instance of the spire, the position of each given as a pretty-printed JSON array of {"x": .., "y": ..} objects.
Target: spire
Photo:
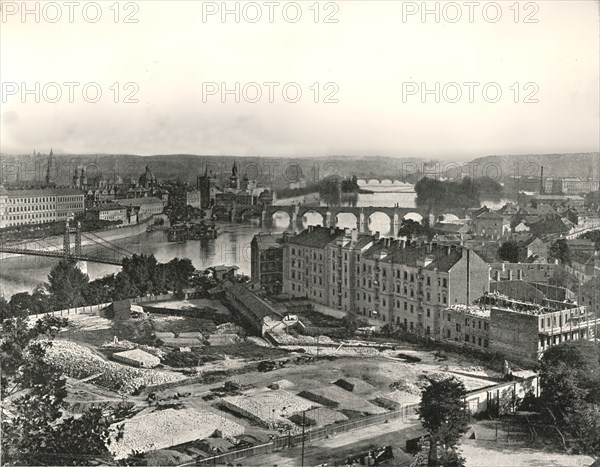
[{"x": 49, "y": 167}]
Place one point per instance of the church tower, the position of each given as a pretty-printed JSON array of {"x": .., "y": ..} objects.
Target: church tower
[
  {"x": 50, "y": 169},
  {"x": 234, "y": 181}
]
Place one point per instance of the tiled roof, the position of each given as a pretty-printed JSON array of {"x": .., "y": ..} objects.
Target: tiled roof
[
  {"x": 316, "y": 237},
  {"x": 266, "y": 241},
  {"x": 107, "y": 207},
  {"x": 253, "y": 303},
  {"x": 138, "y": 201},
  {"x": 45, "y": 192},
  {"x": 441, "y": 257},
  {"x": 489, "y": 215}
]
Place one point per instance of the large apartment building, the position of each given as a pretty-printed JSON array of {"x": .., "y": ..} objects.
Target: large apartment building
[
  {"x": 382, "y": 278},
  {"x": 22, "y": 207}
]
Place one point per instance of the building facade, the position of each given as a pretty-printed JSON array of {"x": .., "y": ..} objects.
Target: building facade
[
  {"x": 382, "y": 278},
  {"x": 266, "y": 251},
  {"x": 40, "y": 206},
  {"x": 144, "y": 207},
  {"x": 109, "y": 212}
]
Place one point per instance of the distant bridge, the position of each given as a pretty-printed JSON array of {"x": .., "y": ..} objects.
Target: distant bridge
[
  {"x": 384, "y": 181},
  {"x": 107, "y": 253}
]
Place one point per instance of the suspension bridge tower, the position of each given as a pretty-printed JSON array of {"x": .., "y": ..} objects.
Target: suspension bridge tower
[{"x": 76, "y": 231}]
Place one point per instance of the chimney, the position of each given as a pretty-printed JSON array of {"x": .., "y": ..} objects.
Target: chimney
[
  {"x": 376, "y": 236},
  {"x": 354, "y": 234},
  {"x": 542, "y": 181}
]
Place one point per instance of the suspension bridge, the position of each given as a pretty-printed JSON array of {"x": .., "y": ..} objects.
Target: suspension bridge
[{"x": 104, "y": 251}]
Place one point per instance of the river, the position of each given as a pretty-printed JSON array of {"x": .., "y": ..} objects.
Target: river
[{"x": 24, "y": 273}]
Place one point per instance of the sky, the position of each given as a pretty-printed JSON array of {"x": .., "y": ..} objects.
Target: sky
[{"x": 452, "y": 80}]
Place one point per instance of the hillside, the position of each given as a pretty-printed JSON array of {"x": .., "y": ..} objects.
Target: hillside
[
  {"x": 280, "y": 171},
  {"x": 582, "y": 165}
]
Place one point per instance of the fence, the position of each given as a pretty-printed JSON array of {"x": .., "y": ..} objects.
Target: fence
[{"x": 284, "y": 442}]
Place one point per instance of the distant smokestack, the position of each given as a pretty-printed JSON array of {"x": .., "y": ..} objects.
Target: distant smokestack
[{"x": 542, "y": 181}]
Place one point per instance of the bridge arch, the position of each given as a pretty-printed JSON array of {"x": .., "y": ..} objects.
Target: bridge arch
[
  {"x": 310, "y": 216},
  {"x": 221, "y": 212},
  {"x": 415, "y": 216},
  {"x": 449, "y": 217},
  {"x": 250, "y": 211},
  {"x": 346, "y": 219}
]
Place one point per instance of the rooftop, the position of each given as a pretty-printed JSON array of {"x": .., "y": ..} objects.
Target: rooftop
[
  {"x": 316, "y": 237},
  {"x": 138, "y": 201},
  {"x": 265, "y": 241},
  {"x": 45, "y": 192}
]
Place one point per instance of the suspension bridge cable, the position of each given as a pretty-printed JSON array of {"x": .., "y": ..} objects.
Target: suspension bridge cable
[{"x": 109, "y": 243}]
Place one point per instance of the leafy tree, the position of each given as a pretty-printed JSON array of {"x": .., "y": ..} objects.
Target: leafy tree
[
  {"x": 5, "y": 310},
  {"x": 352, "y": 321},
  {"x": 411, "y": 229},
  {"x": 124, "y": 288},
  {"x": 35, "y": 427},
  {"x": 66, "y": 284},
  {"x": 560, "y": 251},
  {"x": 509, "y": 251},
  {"x": 443, "y": 412},
  {"x": 570, "y": 383}
]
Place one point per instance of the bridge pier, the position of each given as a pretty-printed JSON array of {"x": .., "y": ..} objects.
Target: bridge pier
[
  {"x": 396, "y": 223},
  {"x": 329, "y": 220},
  {"x": 363, "y": 222}
]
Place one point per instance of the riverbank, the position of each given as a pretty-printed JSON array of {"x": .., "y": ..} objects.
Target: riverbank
[{"x": 56, "y": 242}]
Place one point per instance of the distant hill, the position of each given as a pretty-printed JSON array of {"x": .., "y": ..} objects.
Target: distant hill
[
  {"x": 280, "y": 171},
  {"x": 582, "y": 165}
]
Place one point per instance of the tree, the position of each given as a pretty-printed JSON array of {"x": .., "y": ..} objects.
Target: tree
[
  {"x": 352, "y": 321},
  {"x": 5, "y": 310},
  {"x": 66, "y": 284},
  {"x": 35, "y": 426},
  {"x": 509, "y": 251},
  {"x": 560, "y": 251},
  {"x": 411, "y": 229},
  {"x": 570, "y": 383},
  {"x": 443, "y": 413}
]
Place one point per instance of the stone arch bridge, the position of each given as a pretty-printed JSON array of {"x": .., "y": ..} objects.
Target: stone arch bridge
[{"x": 329, "y": 214}]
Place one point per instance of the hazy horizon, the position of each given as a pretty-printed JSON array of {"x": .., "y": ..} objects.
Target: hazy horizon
[{"x": 543, "y": 58}]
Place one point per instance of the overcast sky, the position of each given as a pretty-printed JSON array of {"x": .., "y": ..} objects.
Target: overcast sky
[{"x": 370, "y": 57}]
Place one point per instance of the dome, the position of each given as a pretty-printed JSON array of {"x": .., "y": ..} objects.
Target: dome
[{"x": 147, "y": 178}]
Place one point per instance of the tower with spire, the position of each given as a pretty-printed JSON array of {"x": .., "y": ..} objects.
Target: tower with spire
[
  {"x": 234, "y": 181},
  {"x": 50, "y": 170}
]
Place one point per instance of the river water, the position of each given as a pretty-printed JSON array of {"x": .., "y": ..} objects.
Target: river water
[{"x": 24, "y": 273}]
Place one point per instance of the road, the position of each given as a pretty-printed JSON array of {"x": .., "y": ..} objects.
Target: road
[{"x": 342, "y": 445}]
